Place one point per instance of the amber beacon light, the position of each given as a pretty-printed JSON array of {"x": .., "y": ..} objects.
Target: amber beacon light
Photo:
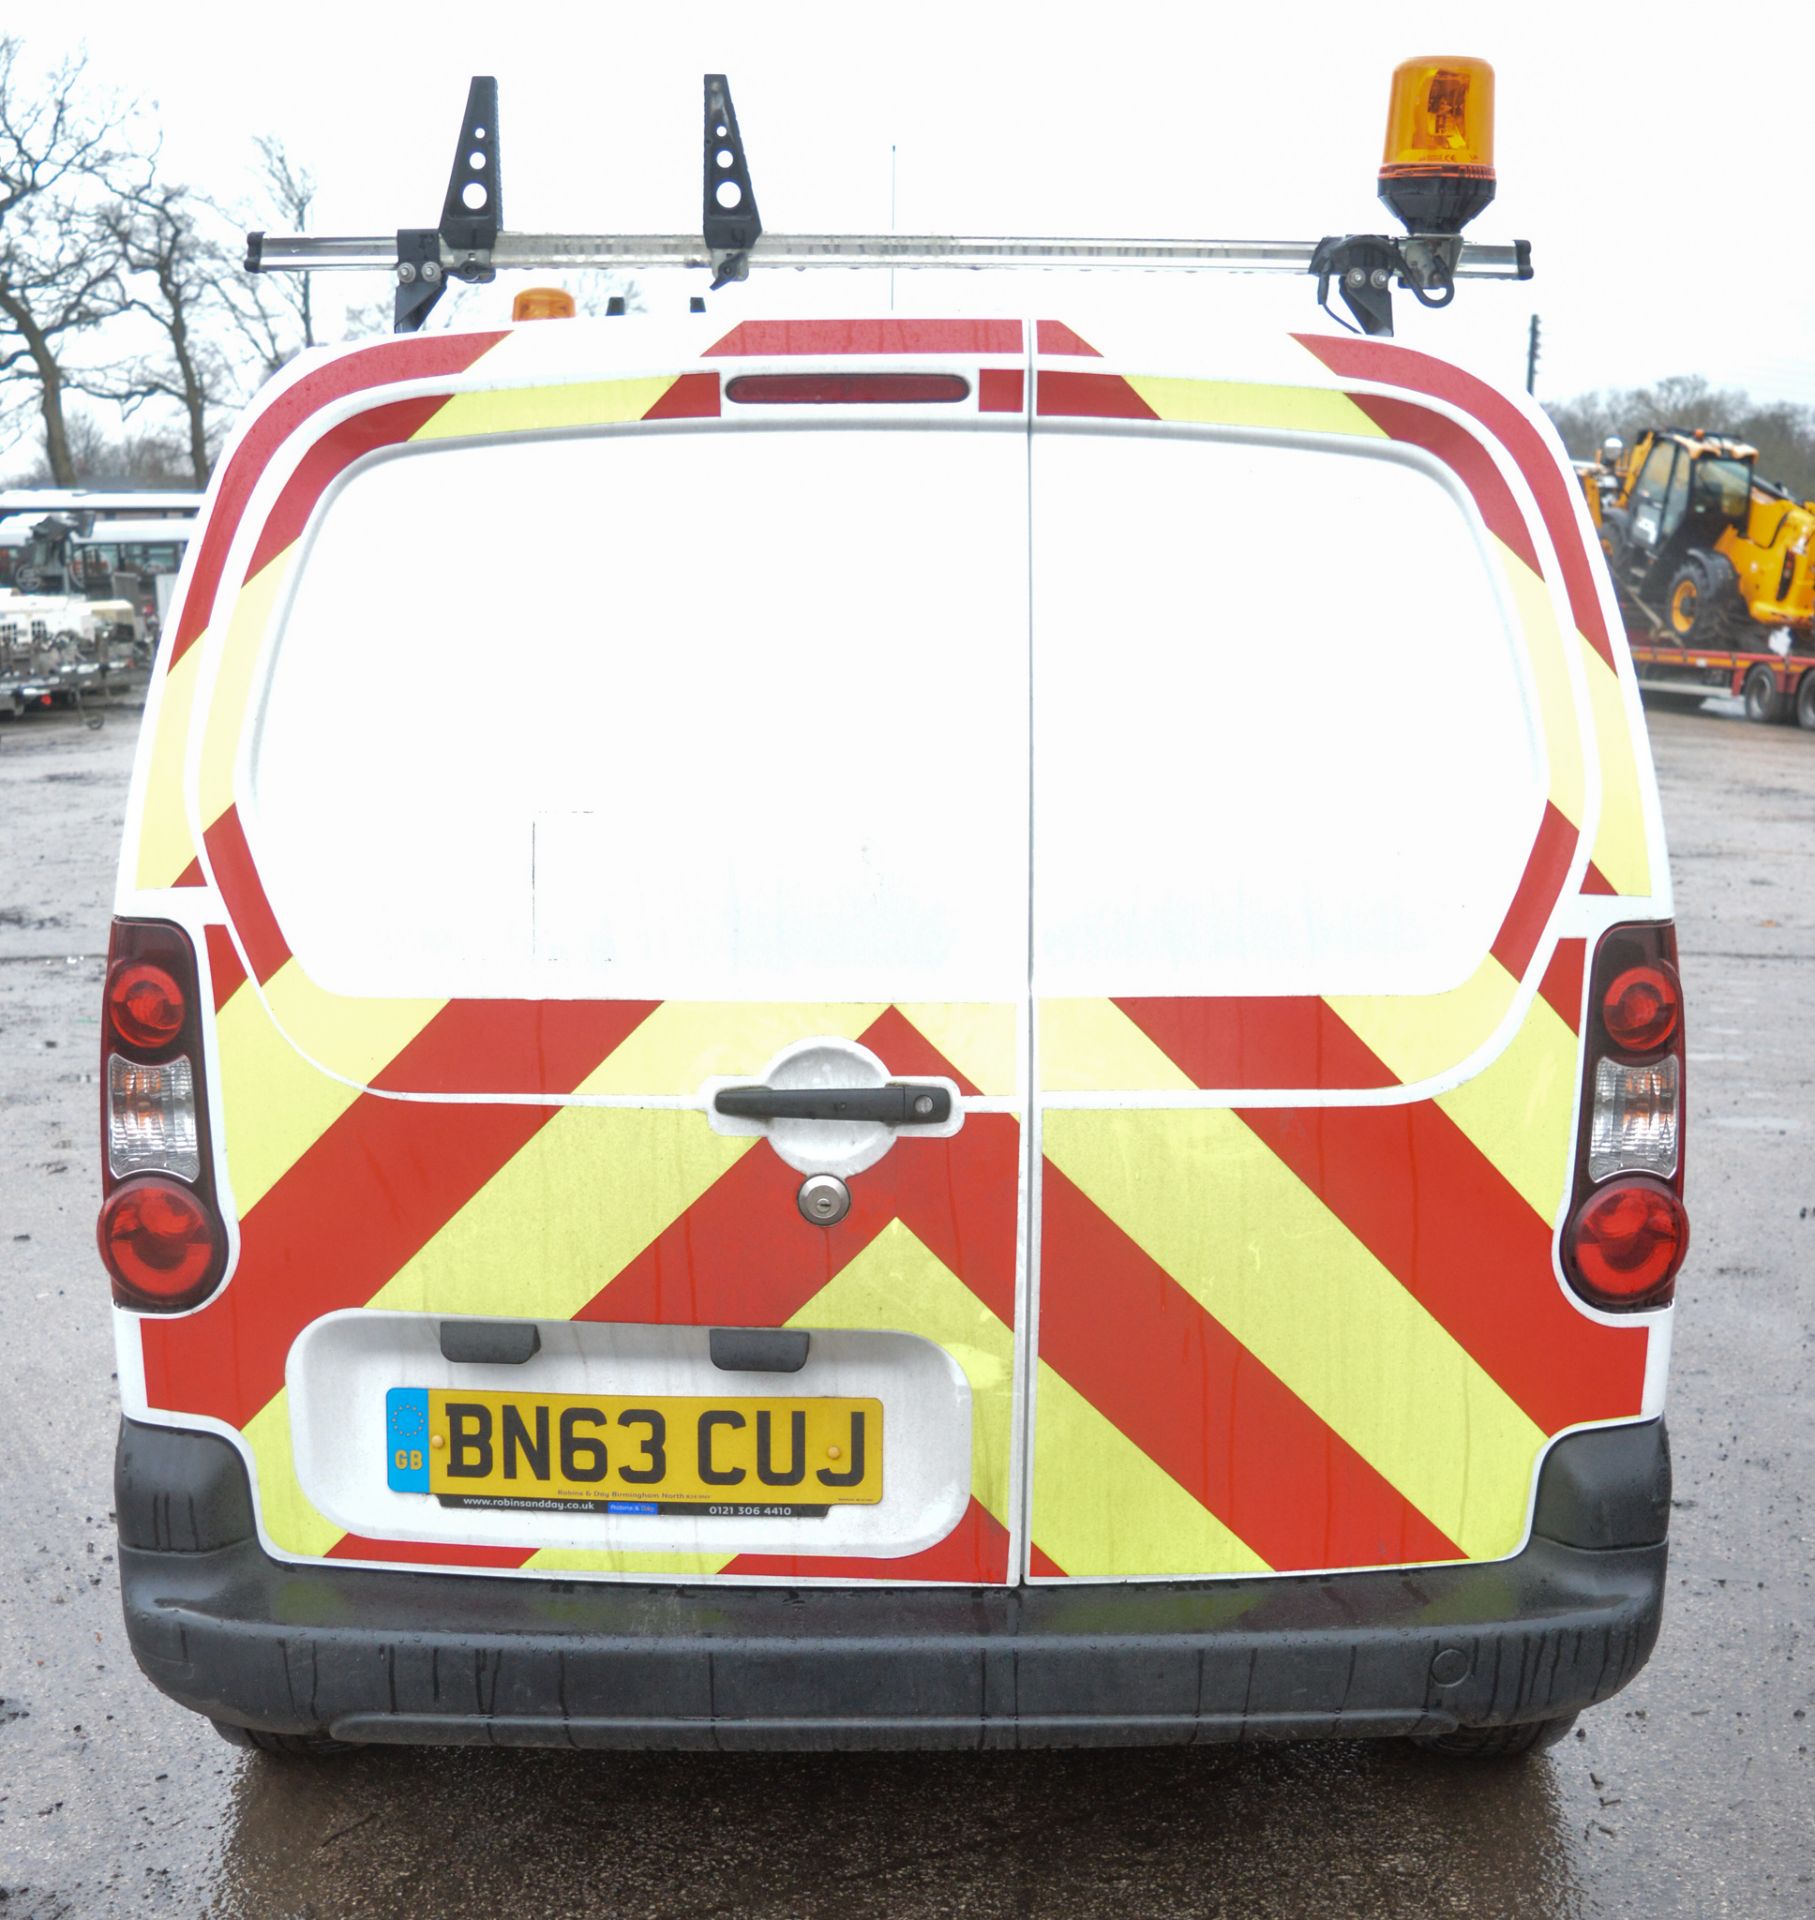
[
  {"x": 543, "y": 303},
  {"x": 1437, "y": 172}
]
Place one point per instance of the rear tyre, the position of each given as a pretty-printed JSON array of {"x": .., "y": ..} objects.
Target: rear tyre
[
  {"x": 1497, "y": 1743},
  {"x": 1763, "y": 702},
  {"x": 1805, "y": 700},
  {"x": 311, "y": 1746}
]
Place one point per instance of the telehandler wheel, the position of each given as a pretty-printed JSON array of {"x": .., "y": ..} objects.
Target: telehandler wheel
[
  {"x": 1805, "y": 700},
  {"x": 1696, "y": 604},
  {"x": 1616, "y": 535},
  {"x": 1763, "y": 702}
]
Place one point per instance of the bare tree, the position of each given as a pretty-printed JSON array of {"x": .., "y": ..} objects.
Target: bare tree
[
  {"x": 274, "y": 314},
  {"x": 59, "y": 267},
  {"x": 152, "y": 457},
  {"x": 174, "y": 272}
]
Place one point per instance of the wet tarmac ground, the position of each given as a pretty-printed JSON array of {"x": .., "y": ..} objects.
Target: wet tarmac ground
[{"x": 1693, "y": 1793}]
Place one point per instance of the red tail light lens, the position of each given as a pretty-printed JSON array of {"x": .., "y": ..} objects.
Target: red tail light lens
[
  {"x": 1625, "y": 1244},
  {"x": 845, "y": 389},
  {"x": 145, "y": 1005},
  {"x": 160, "y": 1243},
  {"x": 1642, "y": 1007},
  {"x": 161, "y": 1234}
]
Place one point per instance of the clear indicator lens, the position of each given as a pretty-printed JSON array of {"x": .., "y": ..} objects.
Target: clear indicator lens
[
  {"x": 151, "y": 1118},
  {"x": 1634, "y": 1125}
]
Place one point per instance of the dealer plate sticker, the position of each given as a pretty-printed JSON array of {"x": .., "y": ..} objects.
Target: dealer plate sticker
[{"x": 665, "y": 1453}]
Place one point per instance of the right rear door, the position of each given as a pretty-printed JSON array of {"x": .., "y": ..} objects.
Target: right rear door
[{"x": 1310, "y": 800}]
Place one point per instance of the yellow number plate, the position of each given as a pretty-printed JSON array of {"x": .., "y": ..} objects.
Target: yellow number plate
[{"x": 664, "y": 1453}]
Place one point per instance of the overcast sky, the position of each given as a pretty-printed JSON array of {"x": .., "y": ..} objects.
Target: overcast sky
[{"x": 1653, "y": 155}]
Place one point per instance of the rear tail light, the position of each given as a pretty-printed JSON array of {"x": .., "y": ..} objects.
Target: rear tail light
[
  {"x": 161, "y": 1244},
  {"x": 1627, "y": 1231},
  {"x": 144, "y": 1005},
  {"x": 161, "y": 1234},
  {"x": 1642, "y": 1007},
  {"x": 1628, "y": 1241}
]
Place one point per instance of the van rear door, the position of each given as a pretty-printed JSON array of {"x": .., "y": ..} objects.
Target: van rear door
[
  {"x": 569, "y": 749},
  {"x": 1312, "y": 812}
]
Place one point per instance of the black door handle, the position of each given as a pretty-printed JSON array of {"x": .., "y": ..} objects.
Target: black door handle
[{"x": 898, "y": 1104}]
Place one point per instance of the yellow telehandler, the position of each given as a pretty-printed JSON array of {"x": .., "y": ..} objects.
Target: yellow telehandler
[{"x": 1700, "y": 544}]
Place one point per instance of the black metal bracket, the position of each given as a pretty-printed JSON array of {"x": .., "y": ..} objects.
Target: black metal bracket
[
  {"x": 730, "y": 223},
  {"x": 1365, "y": 267},
  {"x": 471, "y": 212},
  {"x": 420, "y": 281}
]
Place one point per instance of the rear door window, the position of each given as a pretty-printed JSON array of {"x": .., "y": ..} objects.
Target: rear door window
[
  {"x": 1284, "y": 738},
  {"x": 676, "y": 714}
]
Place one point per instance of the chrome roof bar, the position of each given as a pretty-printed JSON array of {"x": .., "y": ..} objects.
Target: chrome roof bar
[{"x": 470, "y": 242}]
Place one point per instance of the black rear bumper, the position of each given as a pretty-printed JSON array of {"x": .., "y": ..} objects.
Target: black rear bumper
[{"x": 455, "y": 1658}]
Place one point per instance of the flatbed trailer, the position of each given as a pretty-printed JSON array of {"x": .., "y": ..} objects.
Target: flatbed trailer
[{"x": 1776, "y": 683}]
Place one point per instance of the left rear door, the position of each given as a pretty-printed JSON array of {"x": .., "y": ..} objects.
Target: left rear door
[{"x": 708, "y": 761}]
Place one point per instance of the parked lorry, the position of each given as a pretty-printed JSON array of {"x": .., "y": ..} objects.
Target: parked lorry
[{"x": 1714, "y": 567}]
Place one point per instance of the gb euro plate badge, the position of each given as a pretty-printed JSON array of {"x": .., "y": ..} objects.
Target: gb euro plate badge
[{"x": 657, "y": 1454}]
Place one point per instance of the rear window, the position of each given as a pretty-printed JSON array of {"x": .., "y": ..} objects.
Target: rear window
[
  {"x": 1284, "y": 740},
  {"x": 744, "y": 714},
  {"x": 678, "y": 714}
]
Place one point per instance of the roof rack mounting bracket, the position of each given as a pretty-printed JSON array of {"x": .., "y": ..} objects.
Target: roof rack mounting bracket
[
  {"x": 730, "y": 223},
  {"x": 471, "y": 212},
  {"x": 1363, "y": 266}
]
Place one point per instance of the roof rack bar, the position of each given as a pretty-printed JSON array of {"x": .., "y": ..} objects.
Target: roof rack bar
[{"x": 304, "y": 253}]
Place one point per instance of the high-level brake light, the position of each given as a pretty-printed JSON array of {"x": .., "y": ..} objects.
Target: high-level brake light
[
  {"x": 845, "y": 389},
  {"x": 1437, "y": 171}
]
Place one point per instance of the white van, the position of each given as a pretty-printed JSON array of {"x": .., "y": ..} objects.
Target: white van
[{"x": 1039, "y": 1103}]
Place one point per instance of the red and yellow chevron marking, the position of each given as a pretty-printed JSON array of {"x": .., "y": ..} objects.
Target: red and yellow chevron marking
[
  {"x": 423, "y": 1206},
  {"x": 167, "y": 854},
  {"x": 1621, "y": 858},
  {"x": 1270, "y": 1338},
  {"x": 1233, "y": 1043},
  {"x": 1323, "y": 1337}
]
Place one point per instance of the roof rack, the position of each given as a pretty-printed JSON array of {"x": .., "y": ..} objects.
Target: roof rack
[{"x": 470, "y": 244}]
